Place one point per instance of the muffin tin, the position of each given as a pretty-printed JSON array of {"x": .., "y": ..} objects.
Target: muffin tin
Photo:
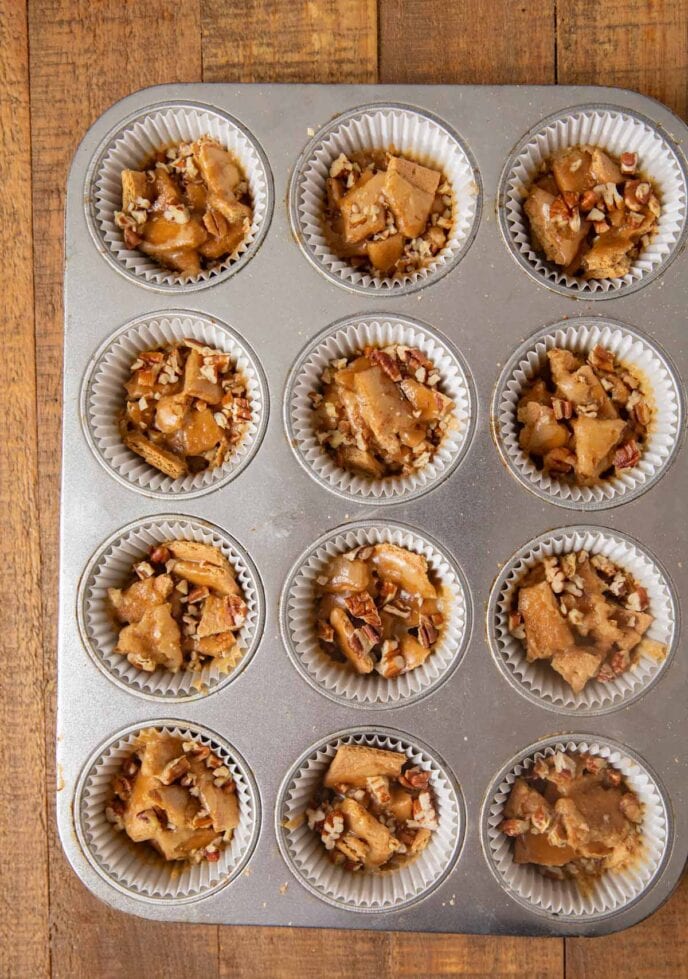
[{"x": 475, "y": 720}]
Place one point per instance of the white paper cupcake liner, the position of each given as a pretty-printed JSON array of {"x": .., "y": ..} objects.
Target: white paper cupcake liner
[
  {"x": 135, "y": 868},
  {"x": 414, "y": 133},
  {"x": 631, "y": 348},
  {"x": 111, "y": 567},
  {"x": 103, "y": 396},
  {"x": 616, "y": 131},
  {"x": 131, "y": 145},
  {"x": 343, "y": 339},
  {"x": 367, "y": 891},
  {"x": 564, "y": 898},
  {"x": 537, "y": 680},
  {"x": 337, "y": 681}
]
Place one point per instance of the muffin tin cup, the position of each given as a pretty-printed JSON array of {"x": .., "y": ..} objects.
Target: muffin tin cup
[
  {"x": 344, "y": 338},
  {"x": 614, "y": 890},
  {"x": 538, "y": 681},
  {"x": 111, "y": 567},
  {"x": 342, "y": 683},
  {"x": 412, "y": 132},
  {"x": 103, "y": 397},
  {"x": 135, "y": 868},
  {"x": 660, "y": 383},
  {"x": 367, "y": 891},
  {"x": 131, "y": 145},
  {"x": 615, "y": 130}
]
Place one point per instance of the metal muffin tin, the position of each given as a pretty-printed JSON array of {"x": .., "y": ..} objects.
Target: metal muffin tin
[{"x": 476, "y": 722}]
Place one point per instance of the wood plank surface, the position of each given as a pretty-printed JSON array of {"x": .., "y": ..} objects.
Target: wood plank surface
[
  {"x": 78, "y": 58},
  {"x": 23, "y": 842}
]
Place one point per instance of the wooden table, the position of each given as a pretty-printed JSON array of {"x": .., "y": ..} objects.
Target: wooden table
[{"x": 63, "y": 63}]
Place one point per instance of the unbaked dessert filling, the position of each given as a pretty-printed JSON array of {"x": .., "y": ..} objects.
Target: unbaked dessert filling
[
  {"x": 374, "y": 810},
  {"x": 176, "y": 796},
  {"x": 585, "y": 616},
  {"x": 385, "y": 213},
  {"x": 188, "y": 208},
  {"x": 381, "y": 412},
  {"x": 591, "y": 213},
  {"x": 379, "y": 608},
  {"x": 181, "y": 609},
  {"x": 573, "y": 816},
  {"x": 585, "y": 419},
  {"x": 186, "y": 408}
]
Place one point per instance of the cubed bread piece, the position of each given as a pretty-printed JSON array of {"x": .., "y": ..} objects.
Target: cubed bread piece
[
  {"x": 582, "y": 387},
  {"x": 410, "y": 192},
  {"x": 192, "y": 550},
  {"x": 572, "y": 170},
  {"x": 594, "y": 440},
  {"x": 135, "y": 187},
  {"x": 403, "y": 568},
  {"x": 363, "y": 209},
  {"x": 577, "y": 665},
  {"x": 386, "y": 253},
  {"x": 431, "y": 404},
  {"x": 349, "y": 643},
  {"x": 353, "y": 764},
  {"x": 196, "y": 384},
  {"x": 541, "y": 431},
  {"x": 530, "y": 848},
  {"x": 199, "y": 433},
  {"x": 216, "y": 578},
  {"x": 382, "y": 844},
  {"x": 217, "y": 167},
  {"x": 221, "y": 613},
  {"x": 524, "y": 801},
  {"x": 345, "y": 575},
  {"x": 131, "y": 604},
  {"x": 547, "y": 631},
  {"x": 166, "y": 462},
  {"x": 153, "y": 641},
  {"x": 386, "y": 412},
  {"x": 608, "y": 257},
  {"x": 603, "y": 168},
  {"x": 354, "y": 458},
  {"x": 559, "y": 242}
]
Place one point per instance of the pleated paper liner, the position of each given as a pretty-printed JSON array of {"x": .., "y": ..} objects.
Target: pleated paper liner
[
  {"x": 659, "y": 381},
  {"x": 416, "y": 134},
  {"x": 340, "y": 682},
  {"x": 132, "y": 145},
  {"x": 538, "y": 680},
  {"x": 615, "y": 889},
  {"x": 615, "y": 130},
  {"x": 367, "y": 891},
  {"x": 345, "y": 338},
  {"x": 111, "y": 567},
  {"x": 135, "y": 868},
  {"x": 103, "y": 397}
]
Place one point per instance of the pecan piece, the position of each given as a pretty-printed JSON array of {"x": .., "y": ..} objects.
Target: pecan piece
[
  {"x": 627, "y": 455},
  {"x": 361, "y": 606},
  {"x": 514, "y": 827},
  {"x": 414, "y": 778},
  {"x": 427, "y": 633},
  {"x": 386, "y": 363},
  {"x": 174, "y": 769}
]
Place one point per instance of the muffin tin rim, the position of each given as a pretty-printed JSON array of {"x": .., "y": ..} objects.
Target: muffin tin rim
[
  {"x": 352, "y": 320},
  {"x": 198, "y": 730},
  {"x": 497, "y": 587},
  {"x": 88, "y": 573},
  {"x": 385, "y": 732},
  {"x": 306, "y": 154},
  {"x": 528, "y": 752},
  {"x": 571, "y": 292},
  {"x": 518, "y": 355},
  {"x": 372, "y": 523},
  {"x": 86, "y": 385},
  {"x": 96, "y": 162}
]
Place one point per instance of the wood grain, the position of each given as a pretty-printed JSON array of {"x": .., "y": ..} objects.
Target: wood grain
[
  {"x": 638, "y": 44},
  {"x": 473, "y": 42},
  {"x": 284, "y": 41},
  {"x": 23, "y": 841}
]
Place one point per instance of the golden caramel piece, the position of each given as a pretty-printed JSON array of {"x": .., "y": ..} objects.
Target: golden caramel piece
[
  {"x": 590, "y": 214},
  {"x": 381, "y": 411},
  {"x": 387, "y": 214},
  {"x": 573, "y": 816},
  {"x": 584, "y": 420},
  {"x": 379, "y": 608},
  {"x": 189, "y": 206},
  {"x": 181, "y": 609},
  {"x": 586, "y": 616},
  {"x": 374, "y": 809},
  {"x": 186, "y": 408},
  {"x": 176, "y": 796}
]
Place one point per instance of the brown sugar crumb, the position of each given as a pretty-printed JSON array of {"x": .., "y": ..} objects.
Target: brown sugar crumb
[
  {"x": 585, "y": 616},
  {"x": 380, "y": 412},
  {"x": 188, "y": 208},
  {"x": 385, "y": 213},
  {"x": 379, "y": 608},
  {"x": 374, "y": 809},
  {"x": 176, "y": 796},
  {"x": 574, "y": 817},
  {"x": 186, "y": 407},
  {"x": 591, "y": 213},
  {"x": 181, "y": 609},
  {"x": 583, "y": 420}
]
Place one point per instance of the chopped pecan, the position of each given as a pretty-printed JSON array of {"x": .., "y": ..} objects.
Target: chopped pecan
[
  {"x": 627, "y": 455},
  {"x": 361, "y": 606},
  {"x": 514, "y": 827},
  {"x": 427, "y": 633},
  {"x": 174, "y": 770},
  {"x": 415, "y": 778},
  {"x": 386, "y": 363}
]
